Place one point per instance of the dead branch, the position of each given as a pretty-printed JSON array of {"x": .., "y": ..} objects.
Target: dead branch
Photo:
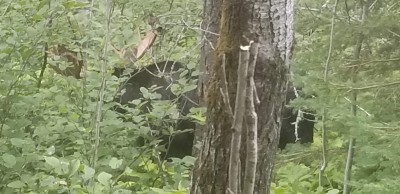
[
  {"x": 224, "y": 89},
  {"x": 238, "y": 116},
  {"x": 370, "y": 62},
  {"x": 298, "y": 117},
  {"x": 251, "y": 125},
  {"x": 377, "y": 86},
  {"x": 367, "y": 87}
]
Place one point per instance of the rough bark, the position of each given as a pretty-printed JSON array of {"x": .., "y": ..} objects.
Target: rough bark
[{"x": 269, "y": 23}]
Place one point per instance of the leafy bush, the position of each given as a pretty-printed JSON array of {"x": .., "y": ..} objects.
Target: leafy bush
[{"x": 47, "y": 137}]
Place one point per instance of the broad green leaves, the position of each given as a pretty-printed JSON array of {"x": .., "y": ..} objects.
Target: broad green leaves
[{"x": 46, "y": 133}]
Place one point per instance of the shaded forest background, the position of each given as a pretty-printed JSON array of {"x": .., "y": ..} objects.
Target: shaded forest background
[{"x": 47, "y": 142}]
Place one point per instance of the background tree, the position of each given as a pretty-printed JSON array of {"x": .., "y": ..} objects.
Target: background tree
[
  {"x": 270, "y": 24},
  {"x": 374, "y": 61}
]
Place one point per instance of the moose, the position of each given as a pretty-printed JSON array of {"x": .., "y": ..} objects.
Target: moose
[
  {"x": 290, "y": 118},
  {"x": 182, "y": 143},
  {"x": 163, "y": 75}
]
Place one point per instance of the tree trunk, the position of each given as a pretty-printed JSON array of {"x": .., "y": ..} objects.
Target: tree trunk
[{"x": 269, "y": 23}]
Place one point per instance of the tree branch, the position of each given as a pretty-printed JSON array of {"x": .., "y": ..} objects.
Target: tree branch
[
  {"x": 238, "y": 116},
  {"x": 251, "y": 125}
]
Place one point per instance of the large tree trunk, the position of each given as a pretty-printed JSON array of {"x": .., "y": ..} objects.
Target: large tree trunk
[{"x": 269, "y": 23}]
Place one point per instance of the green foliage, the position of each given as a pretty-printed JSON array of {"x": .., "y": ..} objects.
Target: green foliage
[
  {"x": 375, "y": 125},
  {"x": 47, "y": 139}
]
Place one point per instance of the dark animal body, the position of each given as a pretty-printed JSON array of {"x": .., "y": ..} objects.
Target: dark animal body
[
  {"x": 305, "y": 125},
  {"x": 181, "y": 144},
  {"x": 163, "y": 75}
]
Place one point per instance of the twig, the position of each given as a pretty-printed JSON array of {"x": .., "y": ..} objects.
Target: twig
[
  {"x": 199, "y": 29},
  {"x": 371, "y": 62},
  {"x": 377, "y": 86},
  {"x": 359, "y": 107},
  {"x": 394, "y": 33}
]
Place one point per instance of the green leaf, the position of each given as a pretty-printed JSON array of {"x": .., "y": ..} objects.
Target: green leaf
[
  {"x": 104, "y": 178},
  {"x": 127, "y": 32},
  {"x": 10, "y": 40},
  {"x": 17, "y": 142},
  {"x": 144, "y": 91},
  {"x": 88, "y": 173},
  {"x": 52, "y": 161},
  {"x": 73, "y": 167},
  {"x": 189, "y": 88},
  {"x": 123, "y": 191},
  {"x": 333, "y": 191},
  {"x": 50, "y": 150},
  {"x": 136, "y": 102},
  {"x": 115, "y": 163},
  {"x": 63, "y": 109},
  {"x": 75, "y": 117},
  {"x": 9, "y": 160},
  {"x": 60, "y": 99},
  {"x": 157, "y": 190},
  {"x": 189, "y": 160},
  {"x": 47, "y": 181},
  {"x": 16, "y": 184}
]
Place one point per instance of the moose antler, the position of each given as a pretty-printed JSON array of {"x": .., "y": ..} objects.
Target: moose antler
[
  {"x": 141, "y": 48},
  {"x": 76, "y": 64},
  {"x": 72, "y": 57}
]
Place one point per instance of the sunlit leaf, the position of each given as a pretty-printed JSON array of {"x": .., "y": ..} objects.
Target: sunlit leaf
[
  {"x": 9, "y": 160},
  {"x": 16, "y": 184},
  {"x": 88, "y": 173},
  {"x": 104, "y": 178},
  {"x": 115, "y": 163},
  {"x": 333, "y": 191},
  {"x": 52, "y": 161}
]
